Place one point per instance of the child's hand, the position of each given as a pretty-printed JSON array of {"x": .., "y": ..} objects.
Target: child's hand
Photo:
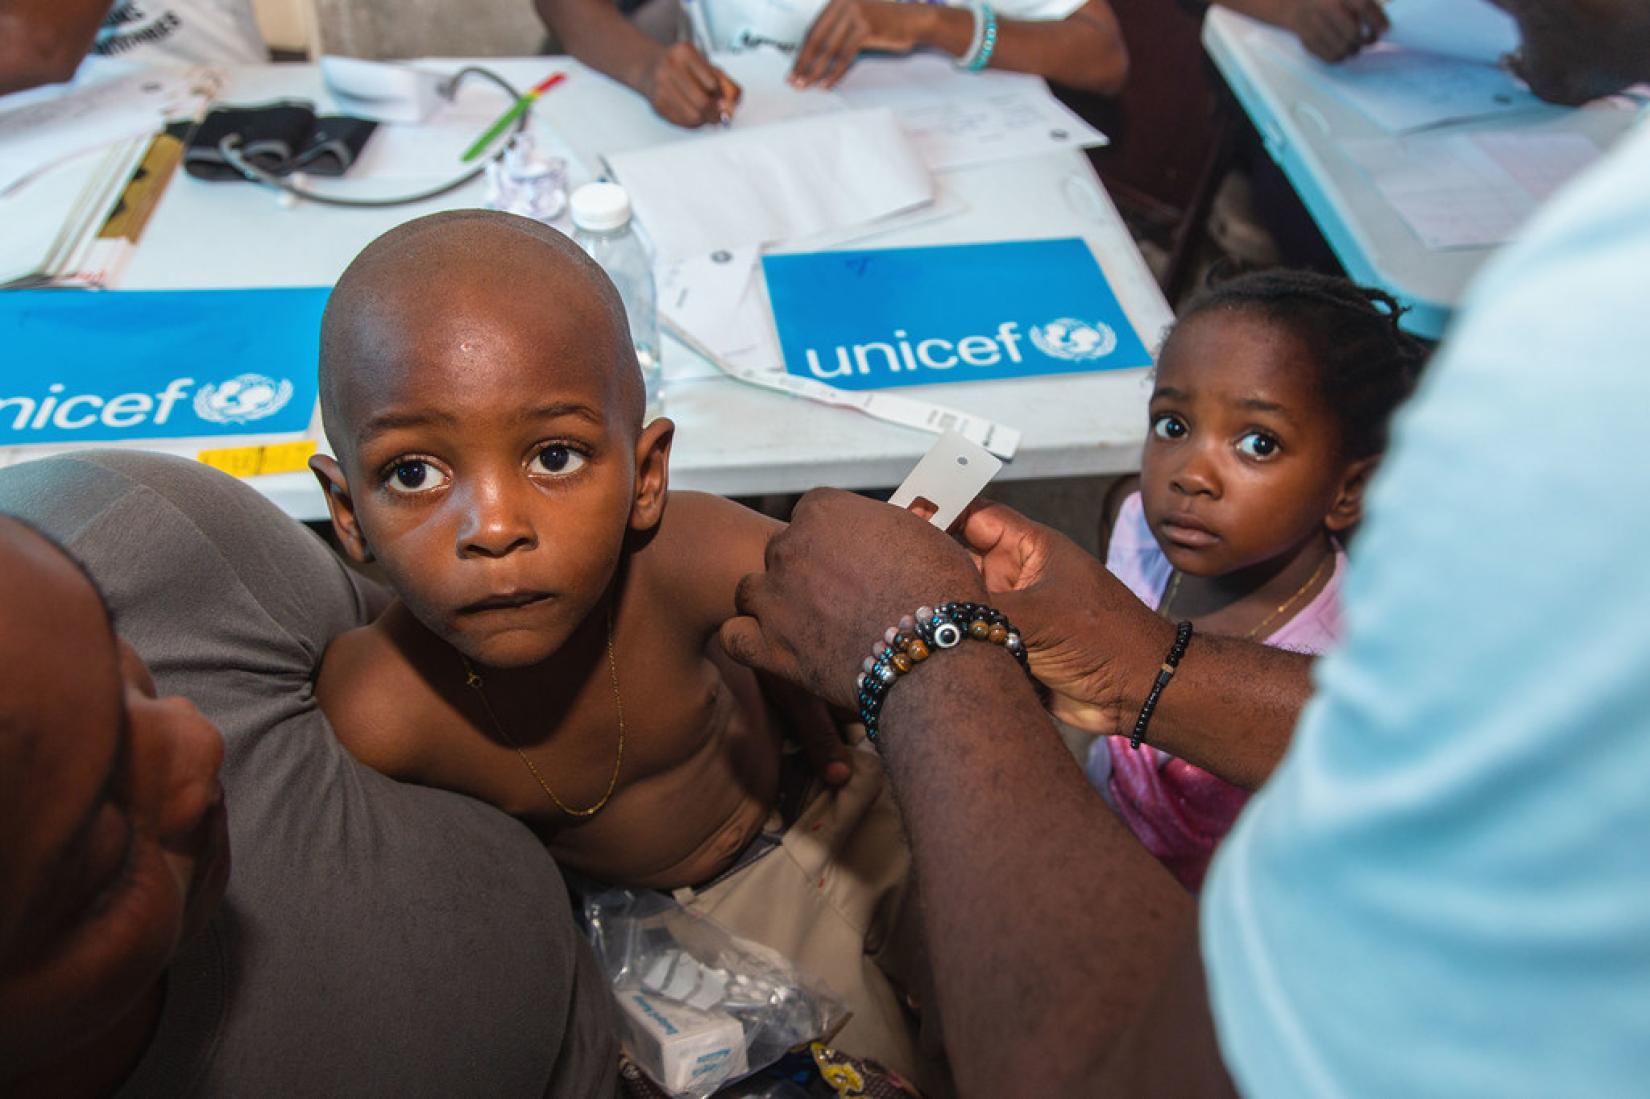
[
  {"x": 1336, "y": 29},
  {"x": 1086, "y": 633},
  {"x": 688, "y": 90},
  {"x": 843, "y": 31}
]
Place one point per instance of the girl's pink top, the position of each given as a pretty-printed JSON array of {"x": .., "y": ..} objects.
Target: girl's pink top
[{"x": 1178, "y": 811}]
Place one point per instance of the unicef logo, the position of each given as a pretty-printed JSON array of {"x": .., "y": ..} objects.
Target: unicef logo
[
  {"x": 242, "y": 399},
  {"x": 1074, "y": 340}
]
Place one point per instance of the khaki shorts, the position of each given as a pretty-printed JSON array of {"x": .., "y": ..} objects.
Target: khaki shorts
[{"x": 831, "y": 897}]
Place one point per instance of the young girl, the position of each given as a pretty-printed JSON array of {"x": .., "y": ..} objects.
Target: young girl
[{"x": 1269, "y": 414}]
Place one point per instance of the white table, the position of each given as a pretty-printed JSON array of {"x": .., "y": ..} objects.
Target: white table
[
  {"x": 731, "y": 438},
  {"x": 1303, "y": 124}
]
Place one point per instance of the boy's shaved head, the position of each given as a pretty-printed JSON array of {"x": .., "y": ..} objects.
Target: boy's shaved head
[{"x": 419, "y": 282}]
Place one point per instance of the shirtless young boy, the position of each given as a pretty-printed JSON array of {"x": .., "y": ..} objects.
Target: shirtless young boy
[{"x": 552, "y": 650}]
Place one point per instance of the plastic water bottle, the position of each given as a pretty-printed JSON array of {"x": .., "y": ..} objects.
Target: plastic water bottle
[{"x": 601, "y": 223}]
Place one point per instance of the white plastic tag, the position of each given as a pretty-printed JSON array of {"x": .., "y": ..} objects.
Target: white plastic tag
[{"x": 949, "y": 476}]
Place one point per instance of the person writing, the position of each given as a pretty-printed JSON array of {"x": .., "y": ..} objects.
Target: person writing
[
  {"x": 1075, "y": 43},
  {"x": 1442, "y": 889}
]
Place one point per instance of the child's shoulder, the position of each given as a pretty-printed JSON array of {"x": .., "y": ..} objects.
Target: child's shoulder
[
  {"x": 377, "y": 698},
  {"x": 701, "y": 549}
]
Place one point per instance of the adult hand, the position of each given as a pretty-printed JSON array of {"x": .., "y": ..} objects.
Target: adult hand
[
  {"x": 686, "y": 89},
  {"x": 844, "y": 30},
  {"x": 845, "y": 570},
  {"x": 1336, "y": 29},
  {"x": 1089, "y": 639}
]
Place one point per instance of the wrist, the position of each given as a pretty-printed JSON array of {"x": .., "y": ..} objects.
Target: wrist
[
  {"x": 945, "y": 28},
  {"x": 920, "y": 637},
  {"x": 1139, "y": 666},
  {"x": 948, "y": 687},
  {"x": 640, "y": 70}
]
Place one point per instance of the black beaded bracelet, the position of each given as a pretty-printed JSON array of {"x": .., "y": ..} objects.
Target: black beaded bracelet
[
  {"x": 919, "y": 636},
  {"x": 1182, "y": 638}
]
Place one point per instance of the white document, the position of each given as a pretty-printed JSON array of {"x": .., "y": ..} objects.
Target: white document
[
  {"x": 959, "y": 118},
  {"x": 1471, "y": 190},
  {"x": 772, "y": 183},
  {"x": 712, "y": 298},
  {"x": 1470, "y": 30},
  {"x": 1403, "y": 90},
  {"x": 47, "y": 131}
]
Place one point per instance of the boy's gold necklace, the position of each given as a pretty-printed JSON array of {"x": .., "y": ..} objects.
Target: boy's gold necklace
[
  {"x": 1174, "y": 589},
  {"x": 472, "y": 679}
]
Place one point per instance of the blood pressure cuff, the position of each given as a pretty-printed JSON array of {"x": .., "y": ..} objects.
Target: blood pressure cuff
[{"x": 278, "y": 138}]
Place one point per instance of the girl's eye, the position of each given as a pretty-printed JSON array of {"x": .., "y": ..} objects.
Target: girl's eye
[
  {"x": 1257, "y": 445},
  {"x": 558, "y": 459},
  {"x": 1168, "y": 427},
  {"x": 415, "y": 475}
]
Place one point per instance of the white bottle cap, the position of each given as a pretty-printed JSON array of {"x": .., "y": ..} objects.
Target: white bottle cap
[{"x": 601, "y": 207}]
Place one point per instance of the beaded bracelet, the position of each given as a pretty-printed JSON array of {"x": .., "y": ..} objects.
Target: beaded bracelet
[
  {"x": 1182, "y": 638},
  {"x": 918, "y": 637},
  {"x": 988, "y": 41}
]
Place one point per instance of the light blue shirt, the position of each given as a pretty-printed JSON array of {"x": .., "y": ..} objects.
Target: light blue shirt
[{"x": 1445, "y": 888}]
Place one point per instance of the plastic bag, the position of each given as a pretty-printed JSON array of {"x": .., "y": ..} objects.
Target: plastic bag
[{"x": 700, "y": 1006}]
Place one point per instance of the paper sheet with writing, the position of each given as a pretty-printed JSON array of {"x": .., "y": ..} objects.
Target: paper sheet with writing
[
  {"x": 1471, "y": 190},
  {"x": 45, "y": 131},
  {"x": 1403, "y": 90},
  {"x": 958, "y": 118},
  {"x": 773, "y": 183}
]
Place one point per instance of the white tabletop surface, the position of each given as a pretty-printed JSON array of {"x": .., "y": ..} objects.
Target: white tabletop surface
[
  {"x": 731, "y": 438},
  {"x": 1303, "y": 124}
]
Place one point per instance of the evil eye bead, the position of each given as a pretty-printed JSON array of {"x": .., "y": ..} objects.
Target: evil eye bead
[{"x": 947, "y": 635}]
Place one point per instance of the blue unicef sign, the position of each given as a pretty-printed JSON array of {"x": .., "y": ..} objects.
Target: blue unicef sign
[
  {"x": 959, "y": 313},
  {"x": 94, "y": 365}
]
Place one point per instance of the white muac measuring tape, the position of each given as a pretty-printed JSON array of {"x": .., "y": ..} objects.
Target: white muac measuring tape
[{"x": 998, "y": 439}]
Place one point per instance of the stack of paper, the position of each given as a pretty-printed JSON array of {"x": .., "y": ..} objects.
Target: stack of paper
[
  {"x": 80, "y": 167},
  {"x": 773, "y": 183},
  {"x": 958, "y": 118}
]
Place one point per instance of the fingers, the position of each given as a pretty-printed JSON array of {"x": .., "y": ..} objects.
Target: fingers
[
  {"x": 820, "y": 739},
  {"x": 833, "y": 43},
  {"x": 1371, "y": 16},
  {"x": 1329, "y": 30},
  {"x": 687, "y": 89}
]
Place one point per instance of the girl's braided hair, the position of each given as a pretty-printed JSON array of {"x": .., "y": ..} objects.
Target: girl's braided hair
[{"x": 1366, "y": 364}]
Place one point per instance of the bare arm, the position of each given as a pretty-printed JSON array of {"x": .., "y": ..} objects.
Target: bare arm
[
  {"x": 682, "y": 86},
  {"x": 1332, "y": 29},
  {"x": 708, "y": 545},
  {"x": 1232, "y": 705},
  {"x": 1084, "y": 51},
  {"x": 43, "y": 41},
  {"x": 1052, "y": 931}
]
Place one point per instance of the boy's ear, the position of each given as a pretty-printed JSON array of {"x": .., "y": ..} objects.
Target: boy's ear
[
  {"x": 342, "y": 506},
  {"x": 652, "y": 474},
  {"x": 1348, "y": 508}
]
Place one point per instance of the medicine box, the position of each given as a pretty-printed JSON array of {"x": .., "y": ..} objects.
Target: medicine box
[{"x": 679, "y": 1046}]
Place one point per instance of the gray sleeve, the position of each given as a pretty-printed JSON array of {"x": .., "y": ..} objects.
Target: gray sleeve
[{"x": 377, "y": 938}]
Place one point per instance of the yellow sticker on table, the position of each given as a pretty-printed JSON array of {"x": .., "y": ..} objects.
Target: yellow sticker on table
[{"x": 256, "y": 461}]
